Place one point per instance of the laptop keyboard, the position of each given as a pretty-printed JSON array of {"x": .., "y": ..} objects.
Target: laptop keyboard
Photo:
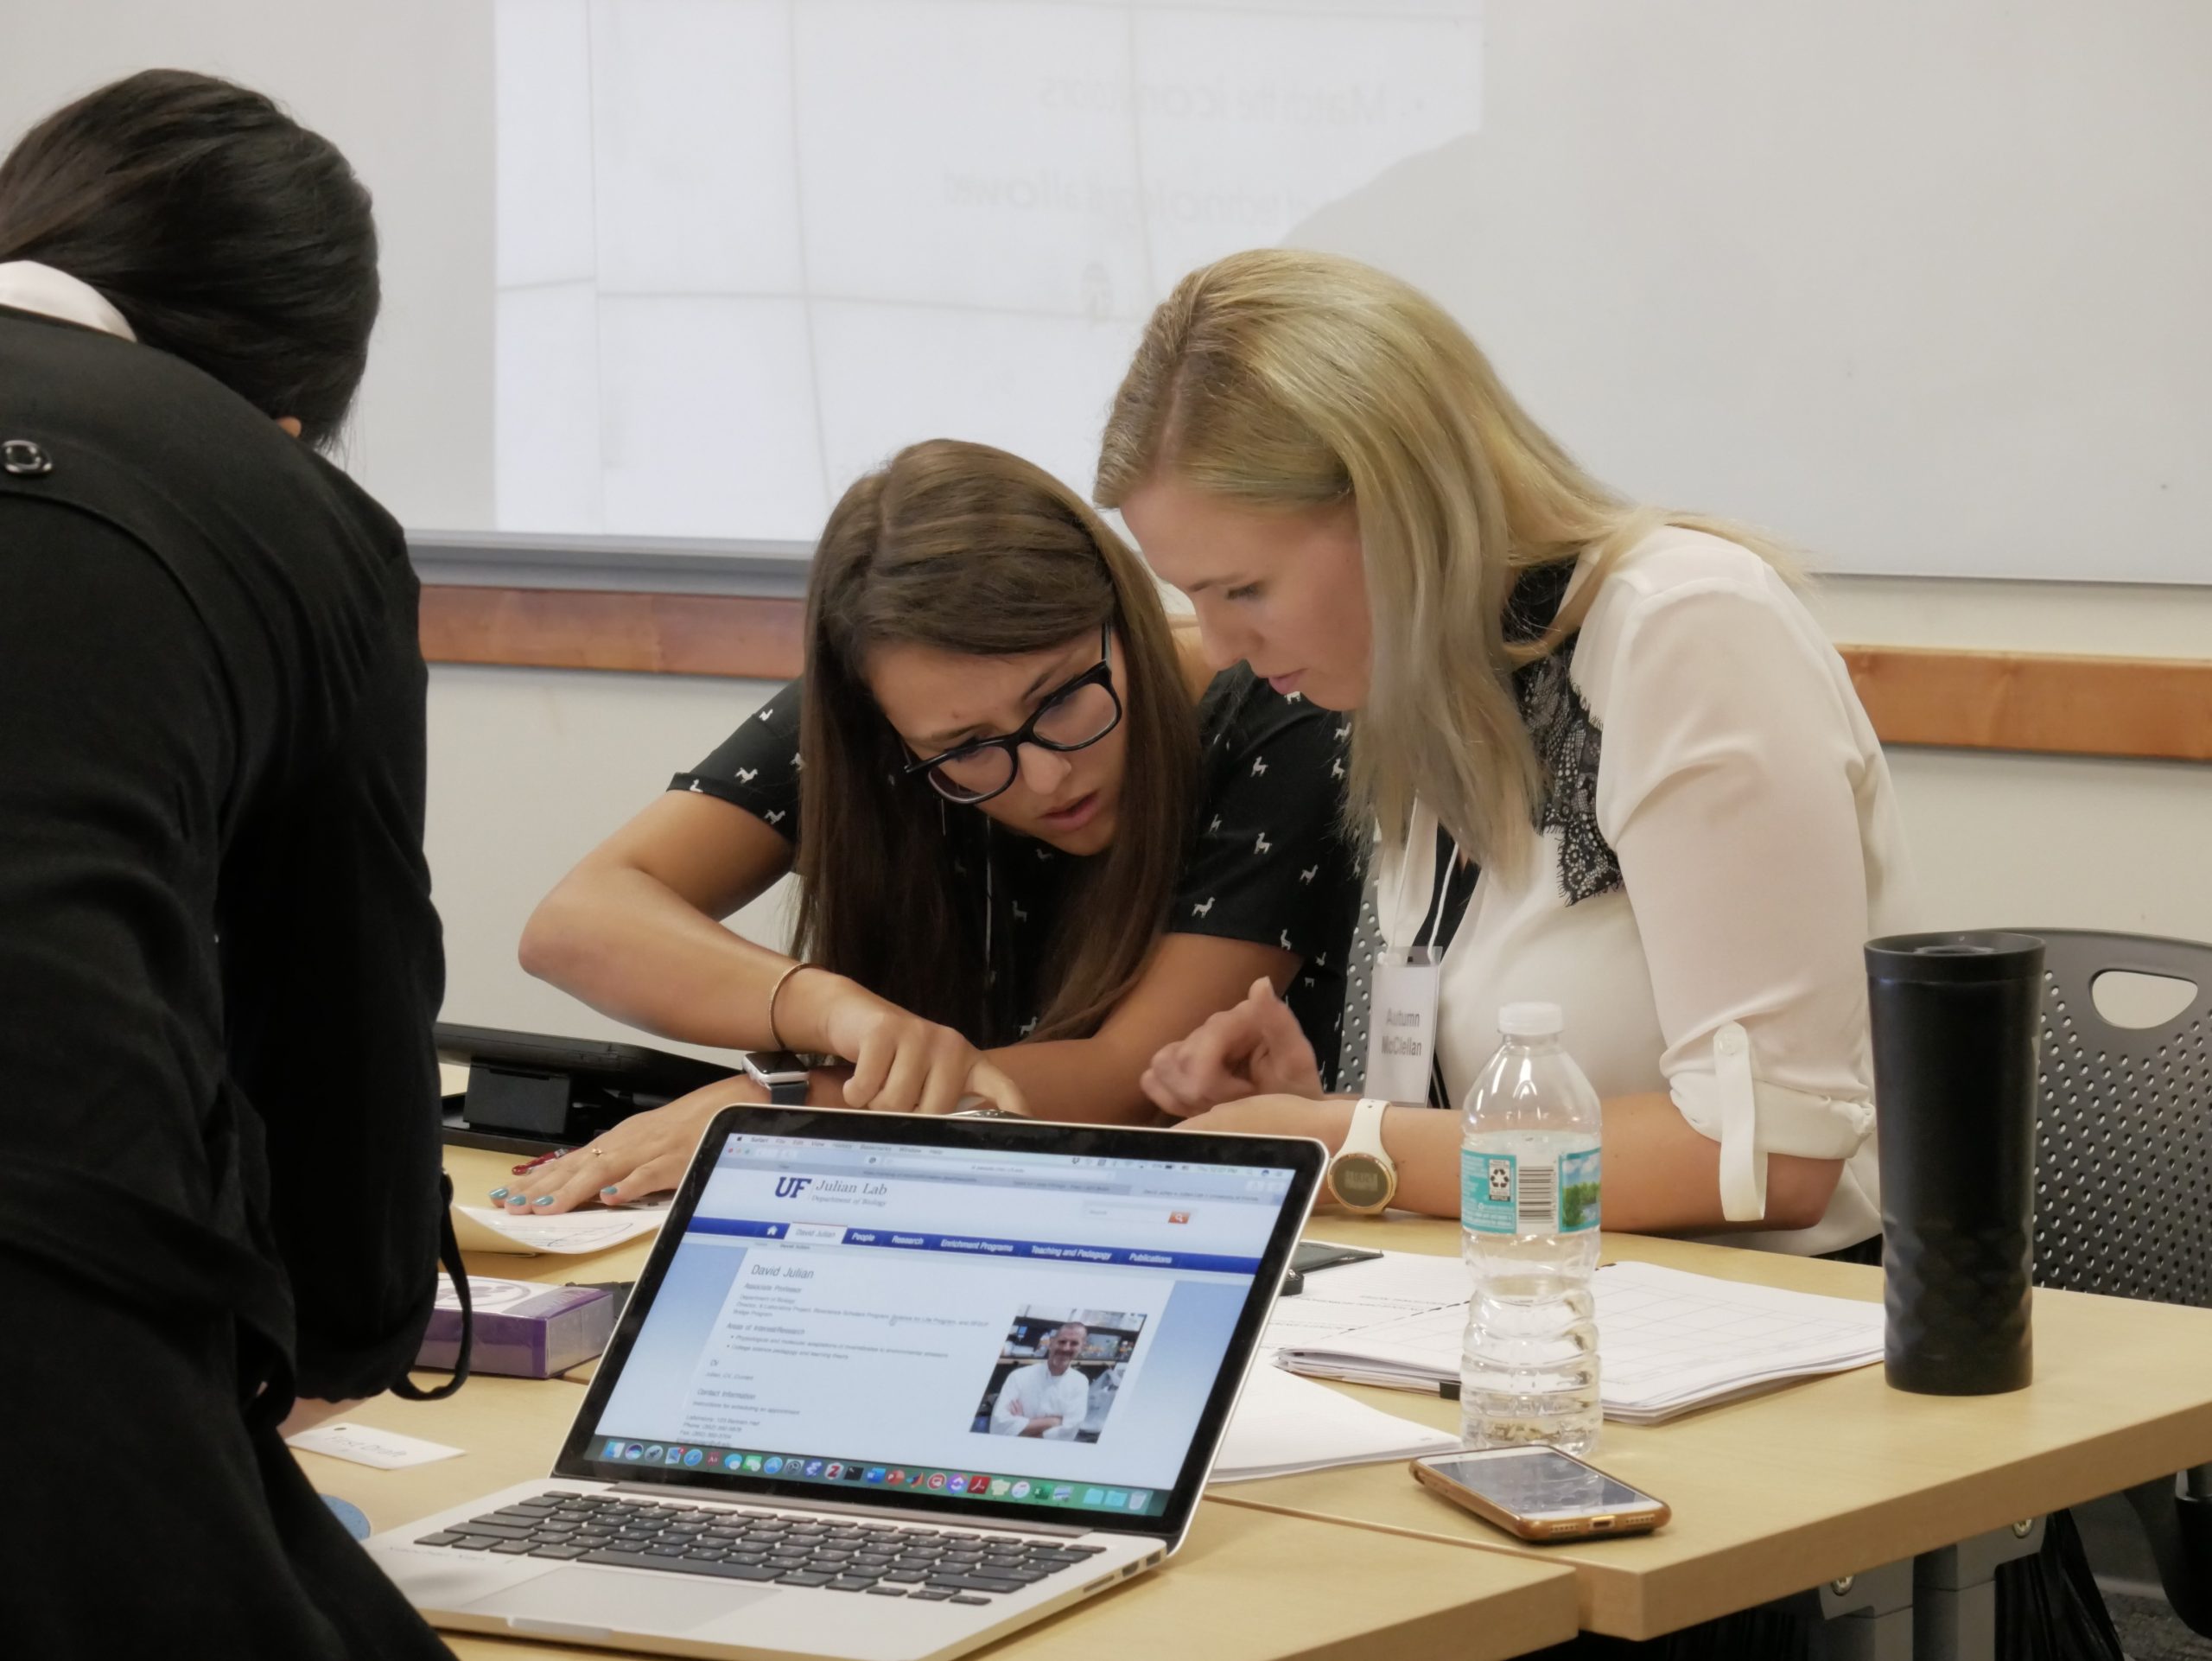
[{"x": 886, "y": 1560}]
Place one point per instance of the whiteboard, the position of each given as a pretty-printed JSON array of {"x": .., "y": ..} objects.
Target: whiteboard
[
  {"x": 1926, "y": 285},
  {"x": 1922, "y": 286},
  {"x": 746, "y": 251}
]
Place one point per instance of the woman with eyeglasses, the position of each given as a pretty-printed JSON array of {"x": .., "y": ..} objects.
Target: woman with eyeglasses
[{"x": 1036, "y": 838}]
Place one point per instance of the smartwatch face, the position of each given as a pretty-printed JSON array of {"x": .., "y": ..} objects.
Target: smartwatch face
[{"x": 1360, "y": 1180}]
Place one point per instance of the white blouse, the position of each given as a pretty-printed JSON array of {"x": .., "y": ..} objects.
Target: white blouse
[{"x": 1740, "y": 845}]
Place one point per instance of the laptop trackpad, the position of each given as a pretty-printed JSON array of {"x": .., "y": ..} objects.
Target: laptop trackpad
[{"x": 598, "y": 1597}]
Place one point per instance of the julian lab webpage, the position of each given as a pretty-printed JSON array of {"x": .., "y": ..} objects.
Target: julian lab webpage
[{"x": 939, "y": 1319}]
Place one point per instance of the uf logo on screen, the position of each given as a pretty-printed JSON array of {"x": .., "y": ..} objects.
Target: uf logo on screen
[{"x": 789, "y": 1187}]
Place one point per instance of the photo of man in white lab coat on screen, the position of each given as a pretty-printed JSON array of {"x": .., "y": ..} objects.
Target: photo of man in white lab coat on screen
[{"x": 1055, "y": 1374}]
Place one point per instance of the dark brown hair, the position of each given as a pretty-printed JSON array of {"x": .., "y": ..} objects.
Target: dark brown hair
[
  {"x": 968, "y": 549},
  {"x": 225, "y": 233}
]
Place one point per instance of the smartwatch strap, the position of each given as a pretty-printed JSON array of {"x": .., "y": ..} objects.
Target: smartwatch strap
[{"x": 1364, "y": 1134}]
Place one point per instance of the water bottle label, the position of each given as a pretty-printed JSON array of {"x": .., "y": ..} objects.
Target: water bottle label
[
  {"x": 1488, "y": 1191},
  {"x": 1515, "y": 1195},
  {"x": 1578, "y": 1189}
]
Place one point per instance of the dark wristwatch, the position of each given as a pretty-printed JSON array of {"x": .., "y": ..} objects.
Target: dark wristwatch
[{"x": 782, "y": 1074}]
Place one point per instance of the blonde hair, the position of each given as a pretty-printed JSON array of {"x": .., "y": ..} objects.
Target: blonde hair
[{"x": 1288, "y": 381}]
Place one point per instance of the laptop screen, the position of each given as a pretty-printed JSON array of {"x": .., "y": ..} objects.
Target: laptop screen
[{"x": 932, "y": 1320}]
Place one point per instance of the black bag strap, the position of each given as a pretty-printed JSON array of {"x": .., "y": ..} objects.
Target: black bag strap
[{"x": 449, "y": 1258}]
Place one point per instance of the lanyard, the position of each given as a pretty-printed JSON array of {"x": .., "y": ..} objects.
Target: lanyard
[{"x": 1422, "y": 832}]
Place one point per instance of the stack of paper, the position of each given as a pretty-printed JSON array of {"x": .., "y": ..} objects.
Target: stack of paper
[
  {"x": 478, "y": 1228},
  {"x": 1668, "y": 1341},
  {"x": 1284, "y": 1425},
  {"x": 1353, "y": 1297}
]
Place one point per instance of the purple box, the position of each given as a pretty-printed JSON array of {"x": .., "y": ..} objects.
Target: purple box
[{"x": 523, "y": 1331}]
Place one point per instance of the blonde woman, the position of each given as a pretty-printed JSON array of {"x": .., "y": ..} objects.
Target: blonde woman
[{"x": 1614, "y": 762}]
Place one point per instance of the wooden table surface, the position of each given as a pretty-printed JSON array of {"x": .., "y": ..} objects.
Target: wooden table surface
[
  {"x": 1773, "y": 1495},
  {"x": 1825, "y": 1478}
]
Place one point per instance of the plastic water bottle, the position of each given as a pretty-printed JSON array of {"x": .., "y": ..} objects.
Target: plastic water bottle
[{"x": 1528, "y": 1185}]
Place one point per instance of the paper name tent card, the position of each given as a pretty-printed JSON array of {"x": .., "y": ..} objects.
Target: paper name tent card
[
  {"x": 1284, "y": 1425},
  {"x": 1668, "y": 1341}
]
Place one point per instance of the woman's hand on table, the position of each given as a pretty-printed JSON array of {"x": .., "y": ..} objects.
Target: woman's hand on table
[
  {"x": 1253, "y": 1048},
  {"x": 901, "y": 1063},
  {"x": 645, "y": 1153}
]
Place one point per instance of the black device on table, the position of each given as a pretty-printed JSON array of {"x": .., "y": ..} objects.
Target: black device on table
[
  {"x": 1315, "y": 1255},
  {"x": 530, "y": 1092}
]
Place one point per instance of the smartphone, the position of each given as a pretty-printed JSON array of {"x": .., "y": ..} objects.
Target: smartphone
[
  {"x": 1319, "y": 1253},
  {"x": 1540, "y": 1493}
]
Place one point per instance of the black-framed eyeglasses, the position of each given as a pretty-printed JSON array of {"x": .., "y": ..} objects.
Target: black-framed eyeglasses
[{"x": 1073, "y": 716}]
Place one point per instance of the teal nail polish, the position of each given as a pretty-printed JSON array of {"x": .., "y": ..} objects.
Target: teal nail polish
[
  {"x": 610, "y": 1188},
  {"x": 499, "y": 1193},
  {"x": 542, "y": 1199}
]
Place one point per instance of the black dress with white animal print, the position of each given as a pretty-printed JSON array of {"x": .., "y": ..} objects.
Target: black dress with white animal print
[{"x": 1265, "y": 862}]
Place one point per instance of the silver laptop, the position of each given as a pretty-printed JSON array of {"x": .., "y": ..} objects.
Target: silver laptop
[{"x": 889, "y": 1388}]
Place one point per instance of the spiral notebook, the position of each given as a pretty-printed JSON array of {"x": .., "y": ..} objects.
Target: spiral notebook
[{"x": 1668, "y": 1341}]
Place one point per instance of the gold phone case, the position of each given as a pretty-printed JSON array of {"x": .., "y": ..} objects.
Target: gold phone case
[{"x": 1595, "y": 1525}]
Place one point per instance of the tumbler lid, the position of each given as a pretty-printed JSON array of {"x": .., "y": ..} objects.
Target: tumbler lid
[{"x": 1956, "y": 958}]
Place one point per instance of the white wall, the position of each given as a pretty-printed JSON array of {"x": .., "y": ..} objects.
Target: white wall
[
  {"x": 529, "y": 767},
  {"x": 2065, "y": 842},
  {"x": 399, "y": 86}
]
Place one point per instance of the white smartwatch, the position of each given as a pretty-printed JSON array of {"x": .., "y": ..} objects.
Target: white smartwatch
[{"x": 1361, "y": 1177}]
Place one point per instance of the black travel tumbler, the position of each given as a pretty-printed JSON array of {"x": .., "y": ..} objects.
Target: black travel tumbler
[{"x": 1955, "y": 1095}]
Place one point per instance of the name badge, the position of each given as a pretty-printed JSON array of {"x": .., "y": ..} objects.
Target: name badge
[{"x": 1402, "y": 1030}]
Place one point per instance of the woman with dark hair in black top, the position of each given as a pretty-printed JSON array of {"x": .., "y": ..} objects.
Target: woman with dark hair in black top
[
  {"x": 1036, "y": 835},
  {"x": 218, "y": 956}
]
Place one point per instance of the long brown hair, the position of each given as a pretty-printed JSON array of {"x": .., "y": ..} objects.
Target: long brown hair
[
  {"x": 1290, "y": 380},
  {"x": 965, "y": 549}
]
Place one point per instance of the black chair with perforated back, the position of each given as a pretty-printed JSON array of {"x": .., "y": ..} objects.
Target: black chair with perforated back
[{"x": 2124, "y": 1182}]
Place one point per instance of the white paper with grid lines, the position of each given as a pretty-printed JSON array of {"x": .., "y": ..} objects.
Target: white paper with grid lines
[{"x": 1668, "y": 1341}]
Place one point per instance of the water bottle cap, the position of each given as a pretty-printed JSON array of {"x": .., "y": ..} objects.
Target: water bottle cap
[{"x": 1531, "y": 1020}]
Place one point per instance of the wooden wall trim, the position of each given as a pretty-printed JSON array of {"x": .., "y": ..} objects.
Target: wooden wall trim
[
  {"x": 742, "y": 637},
  {"x": 2146, "y": 708}
]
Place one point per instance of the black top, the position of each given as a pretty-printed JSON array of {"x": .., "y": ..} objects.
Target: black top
[
  {"x": 218, "y": 960},
  {"x": 1267, "y": 860}
]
